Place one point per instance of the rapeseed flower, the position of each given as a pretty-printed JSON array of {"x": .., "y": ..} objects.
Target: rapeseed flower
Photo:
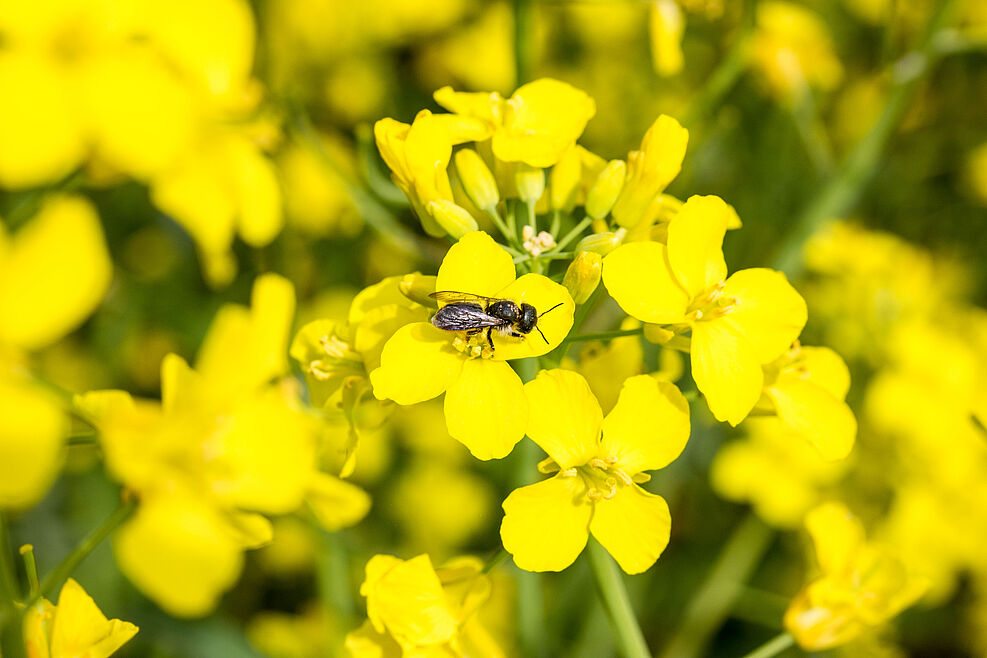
[
  {"x": 598, "y": 463},
  {"x": 439, "y": 618},
  {"x": 73, "y": 628},
  {"x": 738, "y": 324},
  {"x": 228, "y": 443},
  {"x": 862, "y": 584},
  {"x": 485, "y": 406},
  {"x": 53, "y": 273}
]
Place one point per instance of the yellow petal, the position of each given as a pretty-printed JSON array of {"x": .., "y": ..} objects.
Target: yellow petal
[
  {"x": 726, "y": 370},
  {"x": 666, "y": 25},
  {"x": 546, "y": 525},
  {"x": 649, "y": 426},
  {"x": 634, "y": 527},
  {"x": 695, "y": 243},
  {"x": 477, "y": 265},
  {"x": 564, "y": 418},
  {"x": 651, "y": 169},
  {"x": 417, "y": 364},
  {"x": 486, "y": 409},
  {"x": 639, "y": 278},
  {"x": 836, "y": 534},
  {"x": 80, "y": 629},
  {"x": 769, "y": 312},
  {"x": 367, "y": 642},
  {"x": 177, "y": 551},
  {"x": 254, "y": 182},
  {"x": 555, "y": 323},
  {"x": 827, "y": 369},
  {"x": 37, "y": 629},
  {"x": 407, "y": 598},
  {"x": 486, "y": 106},
  {"x": 813, "y": 412},
  {"x": 54, "y": 273},
  {"x": 541, "y": 121},
  {"x": 42, "y": 133},
  {"x": 32, "y": 430},
  {"x": 336, "y": 503}
]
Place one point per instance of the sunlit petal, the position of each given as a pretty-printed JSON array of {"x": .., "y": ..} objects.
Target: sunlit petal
[
  {"x": 486, "y": 409},
  {"x": 546, "y": 525}
]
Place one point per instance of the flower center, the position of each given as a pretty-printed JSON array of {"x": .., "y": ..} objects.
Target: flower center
[
  {"x": 711, "y": 304},
  {"x": 340, "y": 359},
  {"x": 601, "y": 475},
  {"x": 474, "y": 346}
]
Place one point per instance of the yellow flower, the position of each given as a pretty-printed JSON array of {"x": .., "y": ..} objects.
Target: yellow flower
[
  {"x": 535, "y": 126},
  {"x": 205, "y": 462},
  {"x": 73, "y": 628},
  {"x": 53, "y": 273},
  {"x": 437, "y": 619},
  {"x": 666, "y": 25},
  {"x": 781, "y": 476},
  {"x": 806, "y": 387},
  {"x": 651, "y": 169},
  {"x": 418, "y": 156},
  {"x": 862, "y": 584},
  {"x": 599, "y": 462},
  {"x": 485, "y": 407},
  {"x": 738, "y": 323}
]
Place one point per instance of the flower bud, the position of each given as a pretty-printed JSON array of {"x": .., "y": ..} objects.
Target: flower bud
[
  {"x": 476, "y": 178},
  {"x": 564, "y": 181},
  {"x": 453, "y": 218},
  {"x": 417, "y": 287},
  {"x": 602, "y": 243},
  {"x": 583, "y": 275},
  {"x": 530, "y": 182},
  {"x": 604, "y": 192}
]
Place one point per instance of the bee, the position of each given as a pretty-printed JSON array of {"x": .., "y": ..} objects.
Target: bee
[{"x": 475, "y": 314}]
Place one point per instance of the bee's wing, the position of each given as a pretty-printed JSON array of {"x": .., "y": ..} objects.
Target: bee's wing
[
  {"x": 464, "y": 316},
  {"x": 452, "y": 297}
]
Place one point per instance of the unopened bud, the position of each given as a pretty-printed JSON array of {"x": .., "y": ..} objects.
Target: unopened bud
[
  {"x": 479, "y": 183},
  {"x": 564, "y": 180},
  {"x": 454, "y": 219},
  {"x": 417, "y": 287},
  {"x": 604, "y": 192},
  {"x": 657, "y": 334},
  {"x": 530, "y": 182},
  {"x": 583, "y": 275},
  {"x": 602, "y": 243}
]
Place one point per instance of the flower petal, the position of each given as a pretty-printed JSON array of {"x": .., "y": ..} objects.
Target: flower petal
[
  {"x": 769, "y": 312},
  {"x": 836, "y": 534},
  {"x": 486, "y": 409},
  {"x": 417, "y": 364},
  {"x": 32, "y": 430},
  {"x": 813, "y": 412},
  {"x": 406, "y": 597},
  {"x": 81, "y": 629},
  {"x": 695, "y": 243},
  {"x": 546, "y": 525},
  {"x": 637, "y": 275},
  {"x": 634, "y": 527},
  {"x": 648, "y": 427},
  {"x": 336, "y": 503},
  {"x": 545, "y": 295},
  {"x": 477, "y": 265},
  {"x": 564, "y": 417},
  {"x": 726, "y": 370},
  {"x": 827, "y": 369}
]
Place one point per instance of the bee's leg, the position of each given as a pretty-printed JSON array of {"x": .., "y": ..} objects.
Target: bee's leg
[
  {"x": 515, "y": 334},
  {"x": 489, "y": 338}
]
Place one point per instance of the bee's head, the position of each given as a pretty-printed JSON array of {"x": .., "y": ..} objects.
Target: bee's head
[{"x": 528, "y": 319}]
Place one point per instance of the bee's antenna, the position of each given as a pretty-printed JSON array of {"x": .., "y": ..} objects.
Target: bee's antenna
[
  {"x": 551, "y": 309},
  {"x": 539, "y": 330}
]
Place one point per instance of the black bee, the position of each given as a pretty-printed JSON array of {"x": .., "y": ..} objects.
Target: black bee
[{"x": 475, "y": 313}]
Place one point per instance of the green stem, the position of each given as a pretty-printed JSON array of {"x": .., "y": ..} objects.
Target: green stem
[
  {"x": 610, "y": 583},
  {"x": 712, "y": 602},
  {"x": 492, "y": 563},
  {"x": 844, "y": 190},
  {"x": 85, "y": 547},
  {"x": 571, "y": 235},
  {"x": 30, "y": 568},
  {"x": 333, "y": 574},
  {"x": 603, "y": 335},
  {"x": 11, "y": 634},
  {"x": 565, "y": 255},
  {"x": 772, "y": 647},
  {"x": 498, "y": 221},
  {"x": 523, "y": 41}
]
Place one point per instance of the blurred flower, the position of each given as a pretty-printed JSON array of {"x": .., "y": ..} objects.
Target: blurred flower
[
  {"x": 737, "y": 323},
  {"x": 976, "y": 173},
  {"x": 666, "y": 24},
  {"x": 313, "y": 633},
  {"x": 53, "y": 273},
  {"x": 775, "y": 471},
  {"x": 485, "y": 406},
  {"x": 597, "y": 463},
  {"x": 316, "y": 198},
  {"x": 862, "y": 584},
  {"x": 438, "y": 617},
  {"x": 73, "y": 628},
  {"x": 205, "y": 463}
]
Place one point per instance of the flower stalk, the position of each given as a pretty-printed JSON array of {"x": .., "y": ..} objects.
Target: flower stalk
[{"x": 618, "y": 605}]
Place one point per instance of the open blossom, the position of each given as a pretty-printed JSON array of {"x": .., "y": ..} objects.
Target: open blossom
[
  {"x": 598, "y": 463},
  {"x": 485, "y": 406},
  {"x": 738, "y": 323}
]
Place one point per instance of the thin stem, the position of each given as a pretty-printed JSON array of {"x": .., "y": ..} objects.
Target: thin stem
[
  {"x": 712, "y": 602},
  {"x": 30, "y": 568},
  {"x": 496, "y": 559},
  {"x": 65, "y": 568},
  {"x": 565, "y": 255},
  {"x": 523, "y": 41},
  {"x": 772, "y": 647},
  {"x": 11, "y": 630},
  {"x": 571, "y": 235},
  {"x": 610, "y": 584},
  {"x": 333, "y": 573},
  {"x": 844, "y": 190},
  {"x": 498, "y": 221},
  {"x": 603, "y": 335}
]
